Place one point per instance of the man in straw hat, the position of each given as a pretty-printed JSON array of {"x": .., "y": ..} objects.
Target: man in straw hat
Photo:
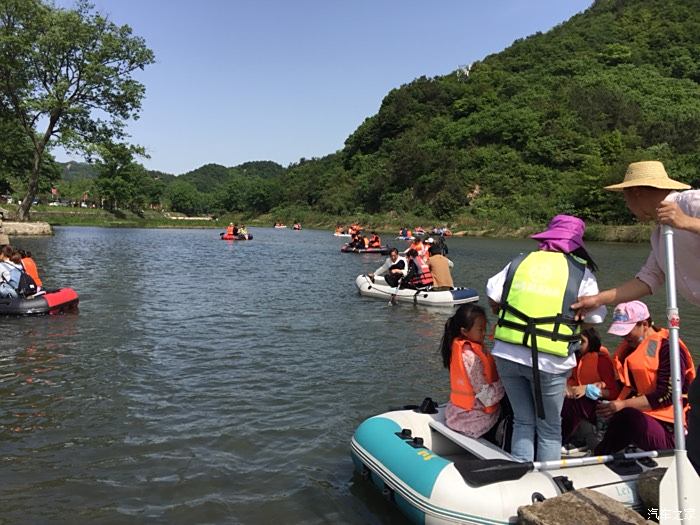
[{"x": 650, "y": 194}]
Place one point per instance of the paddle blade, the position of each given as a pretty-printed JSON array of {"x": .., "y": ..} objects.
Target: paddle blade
[
  {"x": 669, "y": 511},
  {"x": 480, "y": 472}
]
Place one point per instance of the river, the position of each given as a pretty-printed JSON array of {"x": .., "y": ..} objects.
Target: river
[{"x": 208, "y": 381}]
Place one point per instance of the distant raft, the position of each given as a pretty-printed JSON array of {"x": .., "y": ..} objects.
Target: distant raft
[
  {"x": 52, "y": 302},
  {"x": 382, "y": 250},
  {"x": 381, "y": 290},
  {"x": 239, "y": 237}
]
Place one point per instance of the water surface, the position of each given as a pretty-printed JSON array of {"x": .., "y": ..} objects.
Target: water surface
[{"x": 209, "y": 381}]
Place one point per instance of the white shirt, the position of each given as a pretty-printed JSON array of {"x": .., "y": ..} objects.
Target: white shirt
[
  {"x": 521, "y": 354},
  {"x": 686, "y": 252},
  {"x": 384, "y": 268}
]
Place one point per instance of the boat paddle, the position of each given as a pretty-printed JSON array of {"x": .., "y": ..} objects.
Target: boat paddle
[
  {"x": 680, "y": 480},
  {"x": 392, "y": 299},
  {"x": 480, "y": 472}
]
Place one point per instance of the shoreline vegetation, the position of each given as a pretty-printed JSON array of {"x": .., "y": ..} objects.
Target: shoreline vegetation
[{"x": 385, "y": 224}]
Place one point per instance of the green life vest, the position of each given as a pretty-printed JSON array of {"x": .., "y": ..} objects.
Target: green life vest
[{"x": 539, "y": 290}]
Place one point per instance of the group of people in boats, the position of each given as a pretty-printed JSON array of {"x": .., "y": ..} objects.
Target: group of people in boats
[
  {"x": 19, "y": 275},
  {"x": 424, "y": 264},
  {"x": 349, "y": 230},
  {"x": 361, "y": 242},
  {"x": 407, "y": 233},
  {"x": 235, "y": 230},
  {"x": 548, "y": 371}
]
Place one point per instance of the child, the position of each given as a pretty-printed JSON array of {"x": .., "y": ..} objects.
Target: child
[
  {"x": 476, "y": 392},
  {"x": 592, "y": 378}
]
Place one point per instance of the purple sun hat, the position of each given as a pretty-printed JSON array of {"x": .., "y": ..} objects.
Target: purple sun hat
[{"x": 563, "y": 233}]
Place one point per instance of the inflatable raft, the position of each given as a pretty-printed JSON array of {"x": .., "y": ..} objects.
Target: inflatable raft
[
  {"x": 406, "y": 238},
  {"x": 384, "y": 250},
  {"x": 336, "y": 234},
  {"x": 51, "y": 302},
  {"x": 436, "y": 475},
  {"x": 380, "y": 289},
  {"x": 239, "y": 237}
]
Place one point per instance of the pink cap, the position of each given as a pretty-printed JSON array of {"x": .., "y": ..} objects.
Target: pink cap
[{"x": 626, "y": 316}]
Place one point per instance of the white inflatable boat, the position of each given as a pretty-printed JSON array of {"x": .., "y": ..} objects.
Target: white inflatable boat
[
  {"x": 436, "y": 475},
  {"x": 380, "y": 289}
]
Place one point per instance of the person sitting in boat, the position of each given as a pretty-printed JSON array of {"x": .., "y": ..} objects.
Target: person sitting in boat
[
  {"x": 592, "y": 378},
  {"x": 374, "y": 241},
  {"x": 9, "y": 274},
  {"x": 393, "y": 269},
  {"x": 403, "y": 232},
  {"x": 642, "y": 414},
  {"x": 243, "y": 231},
  {"x": 418, "y": 275},
  {"x": 439, "y": 266},
  {"x": 14, "y": 281},
  {"x": 230, "y": 229},
  {"x": 416, "y": 244},
  {"x": 29, "y": 266},
  {"x": 475, "y": 389}
]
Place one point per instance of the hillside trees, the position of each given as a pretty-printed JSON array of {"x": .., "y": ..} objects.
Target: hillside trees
[{"x": 67, "y": 77}]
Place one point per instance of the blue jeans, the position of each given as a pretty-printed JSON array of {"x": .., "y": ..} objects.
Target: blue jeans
[{"x": 517, "y": 381}]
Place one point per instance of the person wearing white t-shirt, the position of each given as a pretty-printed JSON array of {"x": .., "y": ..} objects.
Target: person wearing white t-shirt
[{"x": 532, "y": 296}]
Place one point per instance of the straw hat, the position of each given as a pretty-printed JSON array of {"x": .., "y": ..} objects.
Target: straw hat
[{"x": 649, "y": 173}]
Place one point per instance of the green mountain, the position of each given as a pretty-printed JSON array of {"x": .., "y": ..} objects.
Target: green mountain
[
  {"x": 534, "y": 130},
  {"x": 517, "y": 137}
]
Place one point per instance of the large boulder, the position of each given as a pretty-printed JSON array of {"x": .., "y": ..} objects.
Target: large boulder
[{"x": 582, "y": 507}]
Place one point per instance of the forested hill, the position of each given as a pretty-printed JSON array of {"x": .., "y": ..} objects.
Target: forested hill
[
  {"x": 517, "y": 137},
  {"x": 534, "y": 130}
]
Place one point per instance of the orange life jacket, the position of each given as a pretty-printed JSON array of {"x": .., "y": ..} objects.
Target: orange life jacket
[
  {"x": 424, "y": 277},
  {"x": 229, "y": 230},
  {"x": 461, "y": 391},
  {"x": 31, "y": 269},
  {"x": 639, "y": 370},
  {"x": 594, "y": 367},
  {"x": 375, "y": 242}
]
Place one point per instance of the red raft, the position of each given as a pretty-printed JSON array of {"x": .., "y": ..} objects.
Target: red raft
[
  {"x": 239, "y": 237},
  {"x": 51, "y": 302}
]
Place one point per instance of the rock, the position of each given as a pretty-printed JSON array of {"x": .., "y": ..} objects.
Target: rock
[
  {"x": 583, "y": 507},
  {"x": 26, "y": 228},
  {"x": 4, "y": 239},
  {"x": 648, "y": 487}
]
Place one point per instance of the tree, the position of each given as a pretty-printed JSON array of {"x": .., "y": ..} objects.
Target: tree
[{"x": 70, "y": 73}]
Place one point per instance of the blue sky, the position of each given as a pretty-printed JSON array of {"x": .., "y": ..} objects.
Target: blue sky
[{"x": 242, "y": 80}]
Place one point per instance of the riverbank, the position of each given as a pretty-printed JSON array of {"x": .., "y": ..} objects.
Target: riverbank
[{"x": 386, "y": 224}]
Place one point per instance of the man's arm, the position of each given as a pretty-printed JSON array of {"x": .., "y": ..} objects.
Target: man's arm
[
  {"x": 670, "y": 213},
  {"x": 627, "y": 291}
]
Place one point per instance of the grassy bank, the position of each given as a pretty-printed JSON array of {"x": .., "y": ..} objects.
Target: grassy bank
[{"x": 388, "y": 223}]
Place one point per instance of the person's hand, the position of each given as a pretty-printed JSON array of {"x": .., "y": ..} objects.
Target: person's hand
[
  {"x": 586, "y": 304},
  {"x": 606, "y": 410},
  {"x": 670, "y": 213},
  {"x": 576, "y": 391},
  {"x": 371, "y": 276}
]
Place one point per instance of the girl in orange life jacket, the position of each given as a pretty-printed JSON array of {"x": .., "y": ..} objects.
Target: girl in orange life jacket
[
  {"x": 475, "y": 390},
  {"x": 30, "y": 266},
  {"x": 592, "y": 378},
  {"x": 418, "y": 275},
  {"x": 375, "y": 241},
  {"x": 642, "y": 414}
]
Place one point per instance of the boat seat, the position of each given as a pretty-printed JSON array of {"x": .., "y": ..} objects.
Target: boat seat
[{"x": 480, "y": 448}]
